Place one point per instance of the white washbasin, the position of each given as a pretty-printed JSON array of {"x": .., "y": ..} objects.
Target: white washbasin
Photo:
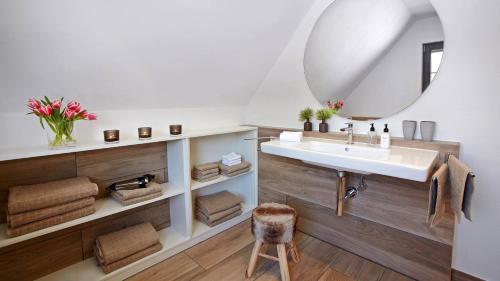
[{"x": 401, "y": 162}]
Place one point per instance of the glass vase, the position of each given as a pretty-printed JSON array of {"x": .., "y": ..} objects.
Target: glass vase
[{"x": 61, "y": 136}]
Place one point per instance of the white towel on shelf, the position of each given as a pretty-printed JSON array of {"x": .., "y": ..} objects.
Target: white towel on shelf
[
  {"x": 291, "y": 136},
  {"x": 233, "y": 156},
  {"x": 232, "y": 162}
]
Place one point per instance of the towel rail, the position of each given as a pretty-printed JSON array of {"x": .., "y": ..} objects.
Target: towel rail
[{"x": 447, "y": 156}]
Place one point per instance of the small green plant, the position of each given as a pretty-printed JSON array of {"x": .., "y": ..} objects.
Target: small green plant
[
  {"x": 323, "y": 114},
  {"x": 306, "y": 114}
]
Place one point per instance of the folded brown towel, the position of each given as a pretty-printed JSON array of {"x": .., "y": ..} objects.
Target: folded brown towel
[
  {"x": 130, "y": 259},
  {"x": 120, "y": 244},
  {"x": 137, "y": 199},
  {"x": 235, "y": 173},
  {"x": 205, "y": 176},
  {"x": 139, "y": 192},
  {"x": 208, "y": 178},
  {"x": 217, "y": 216},
  {"x": 217, "y": 202},
  {"x": 198, "y": 173},
  {"x": 437, "y": 191},
  {"x": 38, "y": 196},
  {"x": 226, "y": 218},
  {"x": 41, "y": 224},
  {"x": 206, "y": 166},
  {"x": 17, "y": 220},
  {"x": 461, "y": 187},
  {"x": 231, "y": 169}
]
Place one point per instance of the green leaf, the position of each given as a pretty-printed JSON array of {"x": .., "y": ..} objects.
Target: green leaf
[{"x": 41, "y": 123}]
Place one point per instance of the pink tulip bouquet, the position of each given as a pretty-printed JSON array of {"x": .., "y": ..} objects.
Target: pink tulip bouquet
[
  {"x": 60, "y": 120},
  {"x": 335, "y": 106}
]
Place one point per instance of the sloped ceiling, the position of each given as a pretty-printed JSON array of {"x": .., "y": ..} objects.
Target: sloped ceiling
[{"x": 132, "y": 54}]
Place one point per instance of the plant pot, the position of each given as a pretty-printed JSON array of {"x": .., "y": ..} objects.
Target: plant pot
[
  {"x": 323, "y": 127},
  {"x": 62, "y": 137},
  {"x": 427, "y": 130},
  {"x": 409, "y": 128},
  {"x": 308, "y": 126}
]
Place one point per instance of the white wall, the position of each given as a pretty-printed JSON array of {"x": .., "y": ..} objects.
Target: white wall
[
  {"x": 136, "y": 54},
  {"x": 395, "y": 81},
  {"x": 463, "y": 99}
]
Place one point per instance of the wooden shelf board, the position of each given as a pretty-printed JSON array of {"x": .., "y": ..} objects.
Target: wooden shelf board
[
  {"x": 42, "y": 150},
  {"x": 197, "y": 185},
  {"x": 89, "y": 270},
  {"x": 104, "y": 207}
]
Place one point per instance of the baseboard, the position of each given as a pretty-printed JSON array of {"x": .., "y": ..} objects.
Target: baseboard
[{"x": 457, "y": 275}]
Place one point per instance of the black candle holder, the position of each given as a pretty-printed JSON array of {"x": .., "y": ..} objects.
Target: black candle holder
[
  {"x": 145, "y": 133},
  {"x": 111, "y": 136},
  {"x": 175, "y": 129}
]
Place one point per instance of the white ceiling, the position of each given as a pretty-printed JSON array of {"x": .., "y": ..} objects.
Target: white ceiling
[{"x": 132, "y": 54}]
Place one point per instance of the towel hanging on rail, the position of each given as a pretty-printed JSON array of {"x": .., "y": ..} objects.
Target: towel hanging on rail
[{"x": 461, "y": 187}]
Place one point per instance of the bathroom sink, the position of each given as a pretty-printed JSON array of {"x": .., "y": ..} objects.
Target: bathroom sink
[{"x": 401, "y": 162}]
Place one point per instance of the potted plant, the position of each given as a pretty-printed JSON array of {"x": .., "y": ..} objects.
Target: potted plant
[
  {"x": 59, "y": 119},
  {"x": 323, "y": 115},
  {"x": 305, "y": 115}
]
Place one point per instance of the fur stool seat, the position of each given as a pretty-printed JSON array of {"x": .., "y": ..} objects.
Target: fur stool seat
[{"x": 274, "y": 224}]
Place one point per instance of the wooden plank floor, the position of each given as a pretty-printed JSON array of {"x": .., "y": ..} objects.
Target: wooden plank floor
[{"x": 225, "y": 257}]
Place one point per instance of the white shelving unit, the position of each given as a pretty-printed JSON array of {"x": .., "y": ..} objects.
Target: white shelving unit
[{"x": 185, "y": 231}]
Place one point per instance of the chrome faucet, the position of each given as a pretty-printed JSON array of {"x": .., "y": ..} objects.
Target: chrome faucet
[{"x": 349, "y": 130}]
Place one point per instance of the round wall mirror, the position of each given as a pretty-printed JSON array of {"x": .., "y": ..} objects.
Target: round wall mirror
[{"x": 376, "y": 56}]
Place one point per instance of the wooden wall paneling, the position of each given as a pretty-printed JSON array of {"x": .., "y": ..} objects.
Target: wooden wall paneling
[
  {"x": 457, "y": 275},
  {"x": 417, "y": 257},
  {"x": 267, "y": 195},
  {"x": 106, "y": 166},
  {"x": 158, "y": 214},
  {"x": 32, "y": 262},
  {"x": 31, "y": 171},
  {"x": 295, "y": 178},
  {"x": 400, "y": 204}
]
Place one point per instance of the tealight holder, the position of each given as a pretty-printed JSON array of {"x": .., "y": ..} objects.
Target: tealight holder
[
  {"x": 145, "y": 133},
  {"x": 111, "y": 136},
  {"x": 175, "y": 129}
]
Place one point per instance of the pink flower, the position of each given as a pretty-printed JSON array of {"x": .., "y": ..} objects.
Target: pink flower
[
  {"x": 92, "y": 116},
  {"x": 56, "y": 104},
  {"x": 34, "y": 104},
  {"x": 83, "y": 114},
  {"x": 74, "y": 106},
  {"x": 69, "y": 114},
  {"x": 45, "y": 110}
]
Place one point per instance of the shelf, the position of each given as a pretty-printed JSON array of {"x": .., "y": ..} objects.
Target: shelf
[
  {"x": 104, "y": 207},
  {"x": 42, "y": 150},
  {"x": 200, "y": 228},
  {"x": 89, "y": 270},
  {"x": 197, "y": 185}
]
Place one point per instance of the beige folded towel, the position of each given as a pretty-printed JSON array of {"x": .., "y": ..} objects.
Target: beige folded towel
[
  {"x": 139, "y": 192},
  {"x": 19, "y": 219},
  {"x": 437, "y": 191},
  {"x": 217, "y": 202},
  {"x": 217, "y": 216},
  {"x": 41, "y": 224},
  {"x": 198, "y": 173},
  {"x": 226, "y": 218},
  {"x": 137, "y": 199},
  {"x": 461, "y": 187},
  {"x": 120, "y": 244},
  {"x": 38, "y": 196},
  {"x": 205, "y": 179},
  {"x": 235, "y": 173},
  {"x": 206, "y": 166},
  {"x": 130, "y": 259},
  {"x": 231, "y": 169}
]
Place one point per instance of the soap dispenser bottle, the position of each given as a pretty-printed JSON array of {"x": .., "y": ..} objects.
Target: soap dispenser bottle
[
  {"x": 372, "y": 135},
  {"x": 385, "y": 138}
]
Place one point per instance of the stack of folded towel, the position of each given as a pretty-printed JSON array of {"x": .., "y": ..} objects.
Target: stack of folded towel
[
  {"x": 118, "y": 249},
  {"x": 234, "y": 170},
  {"x": 205, "y": 172},
  {"x": 217, "y": 208},
  {"x": 38, "y": 206},
  {"x": 291, "y": 136},
  {"x": 132, "y": 196},
  {"x": 231, "y": 159}
]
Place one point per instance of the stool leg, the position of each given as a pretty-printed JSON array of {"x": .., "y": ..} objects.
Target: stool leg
[
  {"x": 294, "y": 252},
  {"x": 285, "y": 275},
  {"x": 253, "y": 258}
]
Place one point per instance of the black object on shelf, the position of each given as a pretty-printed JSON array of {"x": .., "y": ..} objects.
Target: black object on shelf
[{"x": 140, "y": 182}]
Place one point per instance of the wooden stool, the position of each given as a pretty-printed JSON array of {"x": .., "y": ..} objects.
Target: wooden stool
[{"x": 274, "y": 224}]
